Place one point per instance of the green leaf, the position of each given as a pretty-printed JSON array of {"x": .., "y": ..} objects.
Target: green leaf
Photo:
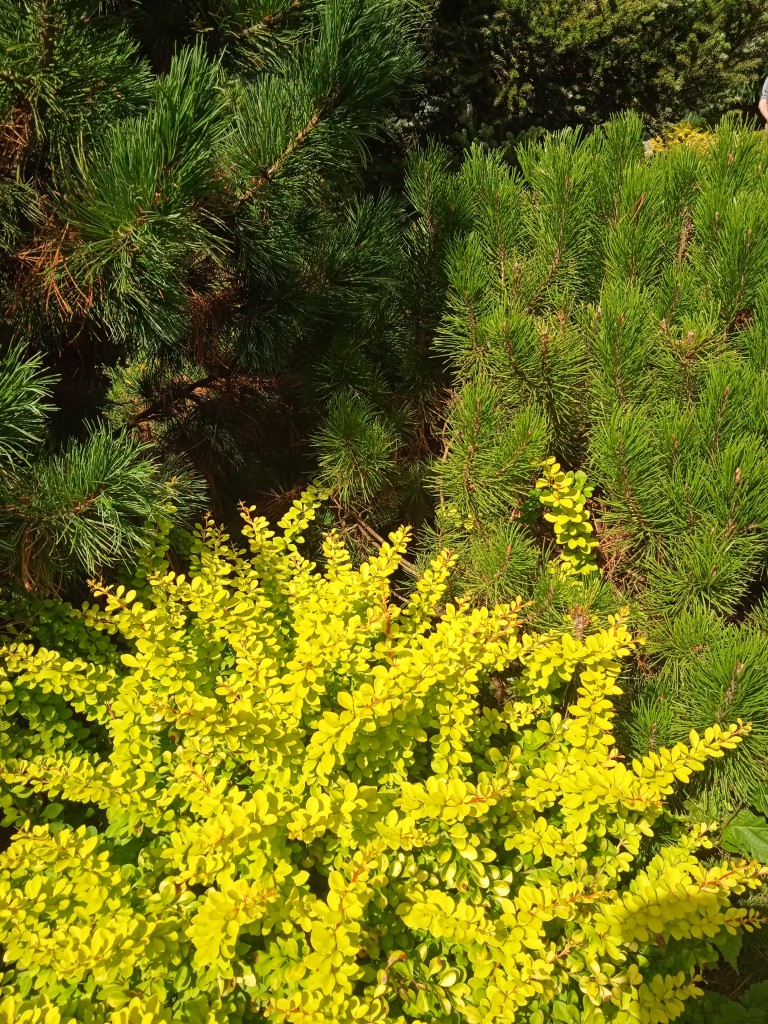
[
  {"x": 730, "y": 947},
  {"x": 733, "y": 1013},
  {"x": 747, "y": 834},
  {"x": 566, "y": 1012},
  {"x": 756, "y": 997}
]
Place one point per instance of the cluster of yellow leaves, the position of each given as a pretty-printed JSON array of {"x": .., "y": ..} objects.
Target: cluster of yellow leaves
[
  {"x": 682, "y": 134},
  {"x": 265, "y": 790},
  {"x": 565, "y": 495}
]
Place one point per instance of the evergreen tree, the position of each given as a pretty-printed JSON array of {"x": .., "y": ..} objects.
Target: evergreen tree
[{"x": 185, "y": 240}]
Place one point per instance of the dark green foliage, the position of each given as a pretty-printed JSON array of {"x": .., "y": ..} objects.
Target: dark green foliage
[
  {"x": 713, "y": 1008},
  {"x": 75, "y": 511},
  {"x": 502, "y": 66},
  {"x": 186, "y": 240},
  {"x": 84, "y": 509},
  {"x": 385, "y": 370},
  {"x": 356, "y": 449},
  {"x": 67, "y": 75},
  {"x": 192, "y": 250}
]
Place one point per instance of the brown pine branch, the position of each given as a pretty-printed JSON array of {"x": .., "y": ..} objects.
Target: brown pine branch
[{"x": 270, "y": 22}]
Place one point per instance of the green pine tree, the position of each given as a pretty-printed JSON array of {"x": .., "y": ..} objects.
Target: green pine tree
[
  {"x": 608, "y": 308},
  {"x": 71, "y": 510},
  {"x": 186, "y": 236}
]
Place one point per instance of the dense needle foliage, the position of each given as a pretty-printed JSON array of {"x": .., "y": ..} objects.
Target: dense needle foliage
[
  {"x": 503, "y": 66},
  {"x": 611, "y": 307},
  {"x": 68, "y": 511},
  {"x": 184, "y": 238}
]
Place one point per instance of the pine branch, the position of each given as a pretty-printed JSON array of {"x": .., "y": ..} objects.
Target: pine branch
[
  {"x": 171, "y": 402},
  {"x": 46, "y": 33},
  {"x": 84, "y": 509},
  {"x": 301, "y": 137},
  {"x": 270, "y": 22},
  {"x": 162, "y": 406},
  {"x": 296, "y": 143}
]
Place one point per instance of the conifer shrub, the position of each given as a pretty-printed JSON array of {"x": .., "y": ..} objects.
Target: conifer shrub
[
  {"x": 610, "y": 309},
  {"x": 271, "y": 789}
]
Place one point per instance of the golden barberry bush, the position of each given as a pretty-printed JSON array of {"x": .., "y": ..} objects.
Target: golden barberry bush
[
  {"x": 683, "y": 134},
  {"x": 269, "y": 791}
]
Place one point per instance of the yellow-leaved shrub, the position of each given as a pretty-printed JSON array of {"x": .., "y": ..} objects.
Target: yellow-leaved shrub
[
  {"x": 265, "y": 790},
  {"x": 683, "y": 134}
]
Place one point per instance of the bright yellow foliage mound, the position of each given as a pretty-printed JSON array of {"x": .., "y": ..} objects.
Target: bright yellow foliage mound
[
  {"x": 683, "y": 134},
  {"x": 266, "y": 790}
]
